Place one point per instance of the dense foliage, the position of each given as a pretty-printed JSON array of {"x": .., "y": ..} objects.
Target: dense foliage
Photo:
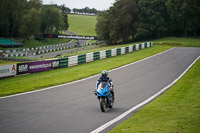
[
  {"x": 24, "y": 19},
  {"x": 85, "y": 10},
  {"x": 130, "y": 20}
]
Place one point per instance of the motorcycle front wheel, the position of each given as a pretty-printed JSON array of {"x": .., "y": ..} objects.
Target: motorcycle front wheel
[{"x": 102, "y": 104}]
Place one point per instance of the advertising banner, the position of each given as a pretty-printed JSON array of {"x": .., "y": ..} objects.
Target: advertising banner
[
  {"x": 78, "y": 37},
  {"x": 33, "y": 67},
  {"x": 22, "y": 68},
  {"x": 8, "y": 70}
]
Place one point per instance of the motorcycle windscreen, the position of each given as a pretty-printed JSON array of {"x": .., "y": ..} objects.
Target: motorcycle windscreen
[{"x": 103, "y": 85}]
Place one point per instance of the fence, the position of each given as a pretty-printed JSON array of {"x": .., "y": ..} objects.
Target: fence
[{"x": 39, "y": 66}]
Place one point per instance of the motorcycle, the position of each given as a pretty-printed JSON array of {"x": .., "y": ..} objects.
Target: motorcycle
[{"x": 105, "y": 97}]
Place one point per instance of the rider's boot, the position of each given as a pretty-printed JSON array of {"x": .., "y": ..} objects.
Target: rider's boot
[{"x": 113, "y": 95}]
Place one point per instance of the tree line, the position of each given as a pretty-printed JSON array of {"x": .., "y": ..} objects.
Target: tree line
[
  {"x": 24, "y": 19},
  {"x": 85, "y": 10},
  {"x": 129, "y": 20}
]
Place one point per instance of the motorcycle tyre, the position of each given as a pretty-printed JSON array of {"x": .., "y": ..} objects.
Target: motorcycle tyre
[
  {"x": 102, "y": 104},
  {"x": 111, "y": 105}
]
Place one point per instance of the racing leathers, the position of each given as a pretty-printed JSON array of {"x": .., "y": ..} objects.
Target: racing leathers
[{"x": 105, "y": 79}]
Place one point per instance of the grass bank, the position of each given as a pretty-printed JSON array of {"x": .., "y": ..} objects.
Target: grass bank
[
  {"x": 82, "y": 24},
  {"x": 181, "y": 41},
  {"x": 59, "y": 76},
  {"x": 176, "y": 111}
]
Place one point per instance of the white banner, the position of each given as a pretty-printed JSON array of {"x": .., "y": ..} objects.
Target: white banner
[{"x": 8, "y": 70}]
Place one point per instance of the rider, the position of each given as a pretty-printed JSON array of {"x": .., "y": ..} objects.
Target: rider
[{"x": 104, "y": 78}]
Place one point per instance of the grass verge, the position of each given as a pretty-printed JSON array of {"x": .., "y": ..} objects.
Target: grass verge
[
  {"x": 60, "y": 76},
  {"x": 2, "y": 62},
  {"x": 181, "y": 41},
  {"x": 177, "y": 110}
]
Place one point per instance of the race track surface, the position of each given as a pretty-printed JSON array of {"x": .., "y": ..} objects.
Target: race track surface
[{"x": 73, "y": 108}]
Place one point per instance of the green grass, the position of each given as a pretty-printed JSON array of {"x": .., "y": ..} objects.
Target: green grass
[
  {"x": 184, "y": 42},
  {"x": 59, "y": 76},
  {"x": 2, "y": 62},
  {"x": 82, "y": 24},
  {"x": 176, "y": 111}
]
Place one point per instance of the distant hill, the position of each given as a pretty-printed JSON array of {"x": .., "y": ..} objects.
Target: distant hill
[{"x": 82, "y": 24}]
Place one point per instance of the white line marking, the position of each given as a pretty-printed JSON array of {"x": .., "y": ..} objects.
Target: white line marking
[
  {"x": 83, "y": 79},
  {"x": 101, "y": 128}
]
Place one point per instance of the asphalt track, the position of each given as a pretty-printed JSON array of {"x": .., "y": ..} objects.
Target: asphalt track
[{"x": 73, "y": 108}]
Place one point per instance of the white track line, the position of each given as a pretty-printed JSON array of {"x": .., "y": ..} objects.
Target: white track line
[
  {"x": 101, "y": 128},
  {"x": 82, "y": 79}
]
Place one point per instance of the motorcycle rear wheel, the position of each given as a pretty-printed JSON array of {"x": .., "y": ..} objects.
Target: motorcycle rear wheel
[{"x": 111, "y": 105}]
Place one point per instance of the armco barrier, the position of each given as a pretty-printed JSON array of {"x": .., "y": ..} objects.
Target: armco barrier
[
  {"x": 36, "y": 50},
  {"x": 39, "y": 66}
]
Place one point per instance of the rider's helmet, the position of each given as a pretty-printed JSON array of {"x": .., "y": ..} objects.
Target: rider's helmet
[{"x": 104, "y": 73}]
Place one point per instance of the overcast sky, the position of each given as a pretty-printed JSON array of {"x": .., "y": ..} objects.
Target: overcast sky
[{"x": 97, "y": 4}]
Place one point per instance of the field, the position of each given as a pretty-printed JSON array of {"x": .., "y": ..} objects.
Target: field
[{"x": 82, "y": 24}]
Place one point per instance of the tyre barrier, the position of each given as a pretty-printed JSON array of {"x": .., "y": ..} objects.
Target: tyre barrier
[{"x": 35, "y": 51}]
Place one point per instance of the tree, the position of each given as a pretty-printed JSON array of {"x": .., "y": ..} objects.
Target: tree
[
  {"x": 65, "y": 9},
  {"x": 37, "y": 4},
  {"x": 194, "y": 15},
  {"x": 30, "y": 23},
  {"x": 118, "y": 22},
  {"x": 185, "y": 15},
  {"x": 65, "y": 18},
  {"x": 52, "y": 19},
  {"x": 152, "y": 19},
  {"x": 11, "y": 13},
  {"x": 102, "y": 26},
  {"x": 174, "y": 8}
]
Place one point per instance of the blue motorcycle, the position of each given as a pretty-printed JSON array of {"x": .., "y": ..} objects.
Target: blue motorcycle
[{"x": 105, "y": 96}]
